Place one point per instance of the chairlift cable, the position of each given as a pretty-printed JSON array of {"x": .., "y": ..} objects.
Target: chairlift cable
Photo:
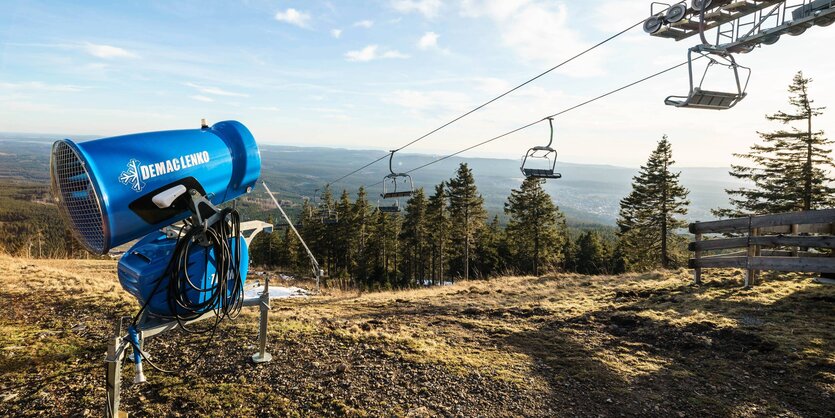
[
  {"x": 485, "y": 104},
  {"x": 523, "y": 127}
]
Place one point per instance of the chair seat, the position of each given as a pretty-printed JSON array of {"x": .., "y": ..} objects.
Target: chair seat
[
  {"x": 541, "y": 173},
  {"x": 706, "y": 99},
  {"x": 389, "y": 209}
]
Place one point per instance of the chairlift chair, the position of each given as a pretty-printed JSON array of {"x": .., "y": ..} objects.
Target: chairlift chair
[
  {"x": 700, "y": 98},
  {"x": 390, "y": 188},
  {"x": 542, "y": 152}
]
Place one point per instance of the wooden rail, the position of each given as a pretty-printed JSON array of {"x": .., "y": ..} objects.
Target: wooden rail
[{"x": 793, "y": 240}]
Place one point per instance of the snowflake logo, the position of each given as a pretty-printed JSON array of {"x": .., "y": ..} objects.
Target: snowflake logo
[{"x": 131, "y": 176}]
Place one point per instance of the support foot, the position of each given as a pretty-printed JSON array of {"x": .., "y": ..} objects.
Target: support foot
[{"x": 259, "y": 358}]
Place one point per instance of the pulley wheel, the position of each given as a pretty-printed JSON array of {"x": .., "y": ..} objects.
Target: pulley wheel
[
  {"x": 797, "y": 30},
  {"x": 825, "y": 22},
  {"x": 653, "y": 24},
  {"x": 675, "y": 13},
  {"x": 699, "y": 5},
  {"x": 771, "y": 40}
]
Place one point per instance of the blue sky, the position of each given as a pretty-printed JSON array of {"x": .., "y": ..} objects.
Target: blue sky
[{"x": 377, "y": 74}]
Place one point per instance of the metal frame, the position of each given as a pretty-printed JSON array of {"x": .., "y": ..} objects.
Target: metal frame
[
  {"x": 394, "y": 193},
  {"x": 537, "y": 152},
  {"x": 149, "y": 326},
  {"x": 698, "y": 98},
  {"x": 743, "y": 24}
]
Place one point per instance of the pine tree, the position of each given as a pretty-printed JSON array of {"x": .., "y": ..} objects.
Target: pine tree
[
  {"x": 536, "y": 231},
  {"x": 414, "y": 239},
  {"x": 439, "y": 235},
  {"x": 361, "y": 220},
  {"x": 789, "y": 170},
  {"x": 343, "y": 232},
  {"x": 592, "y": 256},
  {"x": 647, "y": 218},
  {"x": 466, "y": 209},
  {"x": 490, "y": 243},
  {"x": 265, "y": 249}
]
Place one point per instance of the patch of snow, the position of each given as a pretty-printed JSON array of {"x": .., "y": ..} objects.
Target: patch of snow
[{"x": 276, "y": 292}]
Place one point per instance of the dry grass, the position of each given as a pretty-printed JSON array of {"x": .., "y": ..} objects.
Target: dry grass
[{"x": 568, "y": 345}]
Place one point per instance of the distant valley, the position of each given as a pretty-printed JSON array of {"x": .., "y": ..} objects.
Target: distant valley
[{"x": 588, "y": 194}]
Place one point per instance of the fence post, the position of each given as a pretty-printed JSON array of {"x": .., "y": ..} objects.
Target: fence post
[
  {"x": 697, "y": 271},
  {"x": 794, "y": 250},
  {"x": 755, "y": 273},
  {"x": 749, "y": 274}
]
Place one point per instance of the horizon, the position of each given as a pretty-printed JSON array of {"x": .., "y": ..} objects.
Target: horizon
[{"x": 90, "y": 137}]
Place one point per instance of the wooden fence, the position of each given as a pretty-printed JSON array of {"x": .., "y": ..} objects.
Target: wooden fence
[{"x": 778, "y": 242}]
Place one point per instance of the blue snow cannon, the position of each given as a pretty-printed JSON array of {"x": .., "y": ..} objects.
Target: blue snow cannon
[{"x": 114, "y": 190}]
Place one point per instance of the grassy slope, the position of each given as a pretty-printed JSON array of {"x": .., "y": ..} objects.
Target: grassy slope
[{"x": 649, "y": 345}]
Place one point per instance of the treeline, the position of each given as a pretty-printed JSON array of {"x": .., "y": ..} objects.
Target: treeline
[
  {"x": 441, "y": 237},
  {"x": 30, "y": 225},
  {"x": 448, "y": 235}
]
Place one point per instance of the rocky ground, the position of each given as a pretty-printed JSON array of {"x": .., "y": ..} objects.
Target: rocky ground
[{"x": 567, "y": 345}]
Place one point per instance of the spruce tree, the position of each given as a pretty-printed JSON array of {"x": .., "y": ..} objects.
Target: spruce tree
[
  {"x": 789, "y": 169},
  {"x": 647, "y": 218},
  {"x": 362, "y": 220},
  {"x": 414, "y": 239},
  {"x": 439, "y": 232},
  {"x": 342, "y": 234},
  {"x": 467, "y": 214},
  {"x": 490, "y": 243},
  {"x": 265, "y": 249},
  {"x": 592, "y": 256},
  {"x": 536, "y": 231}
]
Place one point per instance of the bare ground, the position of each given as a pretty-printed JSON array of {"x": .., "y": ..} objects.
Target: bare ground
[{"x": 568, "y": 345}]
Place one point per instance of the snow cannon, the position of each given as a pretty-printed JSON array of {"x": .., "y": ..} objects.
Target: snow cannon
[{"x": 114, "y": 190}]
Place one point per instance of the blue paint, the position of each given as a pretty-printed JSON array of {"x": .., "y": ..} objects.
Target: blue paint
[
  {"x": 145, "y": 263},
  {"x": 223, "y": 159}
]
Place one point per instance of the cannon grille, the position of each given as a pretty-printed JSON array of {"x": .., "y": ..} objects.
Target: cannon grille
[{"x": 77, "y": 197}]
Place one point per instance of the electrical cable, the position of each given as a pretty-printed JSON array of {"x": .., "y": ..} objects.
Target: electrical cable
[
  {"x": 579, "y": 105},
  {"x": 224, "y": 294},
  {"x": 487, "y": 103}
]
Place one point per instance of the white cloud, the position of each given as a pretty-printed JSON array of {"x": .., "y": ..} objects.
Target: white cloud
[
  {"x": 428, "y": 100},
  {"x": 371, "y": 52},
  {"x": 293, "y": 17},
  {"x": 266, "y": 108},
  {"x": 367, "y": 24},
  {"x": 39, "y": 86},
  {"x": 202, "y": 98},
  {"x": 537, "y": 31},
  {"x": 107, "y": 51},
  {"x": 428, "y": 40},
  {"x": 215, "y": 91},
  {"x": 394, "y": 54},
  {"x": 428, "y": 8},
  {"x": 336, "y": 33}
]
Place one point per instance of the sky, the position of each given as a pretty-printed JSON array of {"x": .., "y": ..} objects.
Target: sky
[{"x": 378, "y": 74}]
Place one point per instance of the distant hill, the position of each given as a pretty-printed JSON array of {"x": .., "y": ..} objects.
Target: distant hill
[{"x": 587, "y": 193}]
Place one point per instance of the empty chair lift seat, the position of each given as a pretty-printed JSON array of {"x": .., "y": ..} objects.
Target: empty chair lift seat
[{"x": 706, "y": 99}]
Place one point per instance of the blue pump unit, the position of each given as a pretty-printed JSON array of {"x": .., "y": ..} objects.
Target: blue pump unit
[
  {"x": 144, "y": 266},
  {"x": 106, "y": 187}
]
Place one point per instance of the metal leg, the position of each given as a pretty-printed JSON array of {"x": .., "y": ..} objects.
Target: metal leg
[
  {"x": 262, "y": 356},
  {"x": 115, "y": 352}
]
